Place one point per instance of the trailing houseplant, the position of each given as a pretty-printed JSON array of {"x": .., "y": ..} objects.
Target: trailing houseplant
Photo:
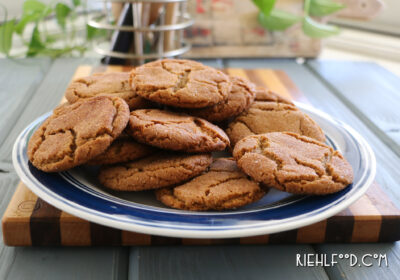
[
  {"x": 277, "y": 20},
  {"x": 38, "y": 40}
]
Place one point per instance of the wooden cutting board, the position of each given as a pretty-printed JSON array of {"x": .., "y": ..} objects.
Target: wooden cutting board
[{"x": 30, "y": 221}]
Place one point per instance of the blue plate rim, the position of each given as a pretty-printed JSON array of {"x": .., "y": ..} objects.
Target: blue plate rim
[{"x": 184, "y": 231}]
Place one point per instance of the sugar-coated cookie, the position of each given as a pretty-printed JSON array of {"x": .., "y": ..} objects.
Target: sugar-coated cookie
[
  {"x": 157, "y": 171},
  {"x": 74, "y": 134},
  {"x": 222, "y": 187},
  {"x": 293, "y": 163},
  {"x": 175, "y": 131},
  {"x": 180, "y": 83}
]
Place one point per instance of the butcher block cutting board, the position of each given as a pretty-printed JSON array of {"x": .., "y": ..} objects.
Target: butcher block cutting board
[{"x": 30, "y": 221}]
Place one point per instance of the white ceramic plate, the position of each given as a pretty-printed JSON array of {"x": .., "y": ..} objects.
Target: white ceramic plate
[{"x": 78, "y": 192}]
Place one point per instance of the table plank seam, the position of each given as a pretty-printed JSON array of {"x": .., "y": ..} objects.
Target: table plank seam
[
  {"x": 372, "y": 126},
  {"x": 31, "y": 93},
  {"x": 333, "y": 272}
]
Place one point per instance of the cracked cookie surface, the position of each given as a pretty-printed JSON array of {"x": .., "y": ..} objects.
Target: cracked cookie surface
[
  {"x": 239, "y": 99},
  {"x": 112, "y": 84},
  {"x": 174, "y": 131},
  {"x": 154, "y": 172},
  {"x": 264, "y": 117},
  {"x": 76, "y": 133},
  {"x": 293, "y": 163},
  {"x": 180, "y": 83},
  {"x": 222, "y": 187},
  {"x": 122, "y": 150}
]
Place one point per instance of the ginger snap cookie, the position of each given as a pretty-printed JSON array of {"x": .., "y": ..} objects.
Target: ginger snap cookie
[
  {"x": 112, "y": 84},
  {"x": 76, "y": 133},
  {"x": 180, "y": 83},
  {"x": 222, "y": 187},
  {"x": 122, "y": 150},
  {"x": 175, "y": 131},
  {"x": 293, "y": 163},
  {"x": 264, "y": 117},
  {"x": 264, "y": 94},
  {"x": 239, "y": 99},
  {"x": 154, "y": 172}
]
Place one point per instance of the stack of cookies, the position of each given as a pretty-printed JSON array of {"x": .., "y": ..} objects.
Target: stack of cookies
[{"x": 160, "y": 127}]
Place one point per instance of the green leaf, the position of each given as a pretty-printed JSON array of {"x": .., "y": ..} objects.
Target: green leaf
[
  {"x": 51, "y": 38},
  {"x": 76, "y": 2},
  {"x": 92, "y": 32},
  {"x": 62, "y": 12},
  {"x": 20, "y": 26},
  {"x": 265, "y": 6},
  {"x": 318, "y": 30},
  {"x": 36, "y": 7},
  {"x": 33, "y": 11},
  {"x": 321, "y": 8},
  {"x": 33, "y": 6},
  {"x": 277, "y": 20},
  {"x": 6, "y": 32},
  {"x": 35, "y": 45}
]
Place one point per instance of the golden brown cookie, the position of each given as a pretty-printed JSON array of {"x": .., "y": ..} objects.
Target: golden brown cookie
[
  {"x": 223, "y": 187},
  {"x": 263, "y": 117},
  {"x": 122, "y": 150},
  {"x": 180, "y": 83},
  {"x": 112, "y": 84},
  {"x": 174, "y": 131},
  {"x": 293, "y": 163},
  {"x": 239, "y": 99},
  {"x": 264, "y": 94},
  {"x": 74, "y": 134},
  {"x": 154, "y": 172}
]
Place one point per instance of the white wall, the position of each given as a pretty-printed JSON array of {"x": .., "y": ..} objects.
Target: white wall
[
  {"x": 14, "y": 7},
  {"x": 387, "y": 21}
]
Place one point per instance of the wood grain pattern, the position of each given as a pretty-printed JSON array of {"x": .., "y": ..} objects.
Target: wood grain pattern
[
  {"x": 74, "y": 231},
  {"x": 361, "y": 222},
  {"x": 47, "y": 95},
  {"x": 197, "y": 262},
  {"x": 14, "y": 94},
  {"x": 321, "y": 96},
  {"x": 17, "y": 216},
  {"x": 44, "y": 89},
  {"x": 314, "y": 233},
  {"x": 221, "y": 262},
  {"x": 351, "y": 88},
  {"x": 366, "y": 227}
]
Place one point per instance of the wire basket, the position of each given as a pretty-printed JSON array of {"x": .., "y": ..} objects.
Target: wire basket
[{"x": 145, "y": 38}]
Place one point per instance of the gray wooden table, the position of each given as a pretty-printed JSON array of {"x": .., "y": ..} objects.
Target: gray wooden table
[{"x": 364, "y": 95}]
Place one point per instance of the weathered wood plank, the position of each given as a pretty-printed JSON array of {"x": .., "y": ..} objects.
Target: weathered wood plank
[
  {"x": 46, "y": 97},
  {"x": 51, "y": 263},
  {"x": 137, "y": 267},
  {"x": 144, "y": 269},
  {"x": 221, "y": 262},
  {"x": 322, "y": 98},
  {"x": 387, "y": 161},
  {"x": 64, "y": 263},
  {"x": 387, "y": 253},
  {"x": 372, "y": 92},
  {"x": 18, "y": 81}
]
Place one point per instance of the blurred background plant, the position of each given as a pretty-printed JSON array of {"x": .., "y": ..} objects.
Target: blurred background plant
[
  {"x": 59, "y": 27},
  {"x": 32, "y": 29},
  {"x": 274, "y": 19}
]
